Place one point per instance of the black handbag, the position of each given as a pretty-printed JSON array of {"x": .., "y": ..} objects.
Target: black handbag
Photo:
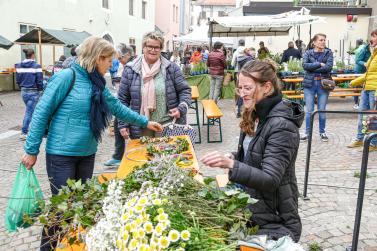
[{"x": 328, "y": 84}]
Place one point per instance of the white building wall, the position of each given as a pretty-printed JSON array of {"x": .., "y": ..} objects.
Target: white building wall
[{"x": 78, "y": 15}]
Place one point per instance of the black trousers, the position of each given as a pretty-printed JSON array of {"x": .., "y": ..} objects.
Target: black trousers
[
  {"x": 119, "y": 144},
  {"x": 59, "y": 169}
]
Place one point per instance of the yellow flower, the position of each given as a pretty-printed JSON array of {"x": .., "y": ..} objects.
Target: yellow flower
[
  {"x": 166, "y": 223},
  {"x": 125, "y": 217},
  {"x": 133, "y": 200},
  {"x": 162, "y": 217},
  {"x": 139, "y": 209},
  {"x": 133, "y": 244},
  {"x": 131, "y": 212},
  {"x": 165, "y": 201},
  {"x": 148, "y": 227},
  {"x": 128, "y": 227},
  {"x": 119, "y": 243},
  {"x": 164, "y": 242},
  {"x": 125, "y": 236},
  {"x": 185, "y": 235},
  {"x": 143, "y": 200},
  {"x": 141, "y": 233},
  {"x": 139, "y": 221},
  {"x": 160, "y": 210},
  {"x": 157, "y": 202},
  {"x": 174, "y": 235},
  {"x": 133, "y": 225},
  {"x": 159, "y": 229}
]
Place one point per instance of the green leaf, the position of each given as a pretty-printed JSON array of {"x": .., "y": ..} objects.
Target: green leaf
[
  {"x": 232, "y": 192},
  {"x": 231, "y": 208}
]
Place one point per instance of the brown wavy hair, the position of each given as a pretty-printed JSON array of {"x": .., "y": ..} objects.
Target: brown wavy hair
[{"x": 261, "y": 71}]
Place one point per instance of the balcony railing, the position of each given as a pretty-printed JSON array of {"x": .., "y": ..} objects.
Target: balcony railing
[{"x": 332, "y": 3}]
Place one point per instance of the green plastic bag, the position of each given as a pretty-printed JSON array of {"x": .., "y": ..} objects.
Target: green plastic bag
[{"x": 25, "y": 195}]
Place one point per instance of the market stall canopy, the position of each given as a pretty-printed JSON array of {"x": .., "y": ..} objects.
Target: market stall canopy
[
  {"x": 199, "y": 36},
  {"x": 5, "y": 43},
  {"x": 270, "y": 25},
  {"x": 54, "y": 37}
]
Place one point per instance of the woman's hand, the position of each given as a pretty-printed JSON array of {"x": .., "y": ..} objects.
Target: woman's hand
[
  {"x": 154, "y": 126},
  {"x": 29, "y": 160},
  {"x": 323, "y": 64},
  {"x": 175, "y": 113},
  {"x": 125, "y": 132},
  {"x": 216, "y": 159}
]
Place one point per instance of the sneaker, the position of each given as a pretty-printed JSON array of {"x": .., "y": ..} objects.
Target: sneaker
[
  {"x": 355, "y": 143},
  {"x": 112, "y": 162},
  {"x": 304, "y": 137},
  {"x": 356, "y": 106},
  {"x": 324, "y": 137},
  {"x": 238, "y": 115},
  {"x": 23, "y": 136}
]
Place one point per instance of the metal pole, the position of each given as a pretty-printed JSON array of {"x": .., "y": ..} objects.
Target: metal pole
[
  {"x": 210, "y": 35},
  {"x": 342, "y": 50},
  {"x": 308, "y": 151},
  {"x": 360, "y": 196},
  {"x": 53, "y": 54},
  {"x": 40, "y": 45}
]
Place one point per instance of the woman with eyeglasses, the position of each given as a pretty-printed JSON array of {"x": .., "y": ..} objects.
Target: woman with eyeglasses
[
  {"x": 153, "y": 86},
  {"x": 264, "y": 164}
]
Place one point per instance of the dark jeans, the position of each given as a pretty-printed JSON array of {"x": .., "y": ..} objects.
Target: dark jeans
[
  {"x": 119, "y": 142},
  {"x": 30, "y": 98},
  {"x": 60, "y": 169}
]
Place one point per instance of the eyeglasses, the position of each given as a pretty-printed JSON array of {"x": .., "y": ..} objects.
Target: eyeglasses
[
  {"x": 155, "y": 48},
  {"x": 245, "y": 90}
]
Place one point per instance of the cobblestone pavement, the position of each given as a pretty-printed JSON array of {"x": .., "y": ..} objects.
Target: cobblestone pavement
[{"x": 327, "y": 217}]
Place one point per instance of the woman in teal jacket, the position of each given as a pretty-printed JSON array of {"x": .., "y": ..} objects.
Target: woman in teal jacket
[{"x": 78, "y": 115}]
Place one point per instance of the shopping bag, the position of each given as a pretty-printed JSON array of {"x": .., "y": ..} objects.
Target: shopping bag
[
  {"x": 24, "y": 199},
  {"x": 173, "y": 129}
]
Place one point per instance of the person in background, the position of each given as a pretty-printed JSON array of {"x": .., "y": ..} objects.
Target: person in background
[
  {"x": 58, "y": 66},
  {"x": 317, "y": 63},
  {"x": 79, "y": 117},
  {"x": 263, "y": 51},
  {"x": 205, "y": 54},
  {"x": 29, "y": 78},
  {"x": 125, "y": 54},
  {"x": 300, "y": 46},
  {"x": 229, "y": 55},
  {"x": 264, "y": 164},
  {"x": 113, "y": 71},
  {"x": 362, "y": 54},
  {"x": 369, "y": 84},
  {"x": 238, "y": 53},
  {"x": 134, "y": 49},
  {"x": 153, "y": 86},
  {"x": 290, "y": 53},
  {"x": 197, "y": 56},
  {"x": 249, "y": 54},
  {"x": 186, "y": 62},
  {"x": 175, "y": 58},
  {"x": 216, "y": 64},
  {"x": 70, "y": 60}
]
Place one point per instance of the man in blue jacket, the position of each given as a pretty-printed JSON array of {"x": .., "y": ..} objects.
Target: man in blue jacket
[
  {"x": 362, "y": 54},
  {"x": 29, "y": 77}
]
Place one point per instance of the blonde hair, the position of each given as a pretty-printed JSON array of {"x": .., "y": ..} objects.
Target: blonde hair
[
  {"x": 93, "y": 48},
  {"x": 154, "y": 36}
]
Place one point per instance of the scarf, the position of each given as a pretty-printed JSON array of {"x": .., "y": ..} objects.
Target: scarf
[
  {"x": 148, "y": 95},
  {"x": 100, "y": 114}
]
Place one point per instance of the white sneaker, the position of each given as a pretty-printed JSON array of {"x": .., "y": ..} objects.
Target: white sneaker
[
  {"x": 356, "y": 106},
  {"x": 23, "y": 136}
]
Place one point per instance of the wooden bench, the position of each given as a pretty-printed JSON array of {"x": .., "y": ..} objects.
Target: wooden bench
[
  {"x": 213, "y": 114},
  {"x": 194, "y": 106},
  {"x": 342, "y": 95},
  {"x": 335, "y": 90}
]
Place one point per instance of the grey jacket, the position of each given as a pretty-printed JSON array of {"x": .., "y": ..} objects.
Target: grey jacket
[
  {"x": 177, "y": 90},
  {"x": 267, "y": 172}
]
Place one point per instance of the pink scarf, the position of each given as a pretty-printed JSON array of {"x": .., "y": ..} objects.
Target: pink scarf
[{"x": 148, "y": 96}]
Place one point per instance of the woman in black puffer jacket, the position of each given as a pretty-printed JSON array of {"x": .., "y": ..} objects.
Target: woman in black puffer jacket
[{"x": 265, "y": 161}]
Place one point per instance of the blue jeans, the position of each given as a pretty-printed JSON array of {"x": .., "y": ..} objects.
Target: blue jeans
[
  {"x": 59, "y": 170},
  {"x": 309, "y": 95},
  {"x": 367, "y": 102},
  {"x": 30, "y": 98}
]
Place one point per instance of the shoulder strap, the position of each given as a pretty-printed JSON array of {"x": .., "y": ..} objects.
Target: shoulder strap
[{"x": 69, "y": 90}]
